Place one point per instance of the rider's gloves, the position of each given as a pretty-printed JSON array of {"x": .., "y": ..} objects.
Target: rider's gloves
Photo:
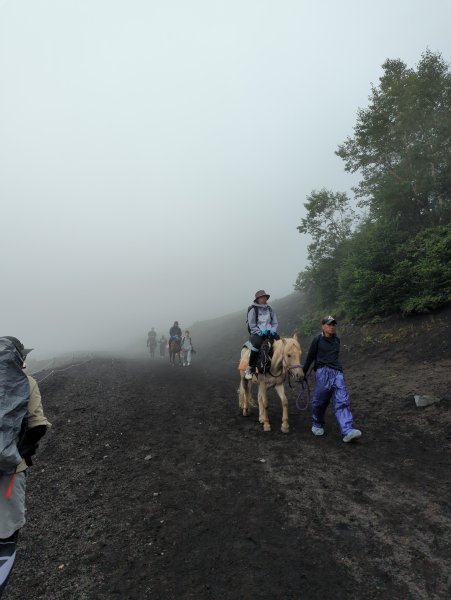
[
  {"x": 273, "y": 332},
  {"x": 264, "y": 331}
]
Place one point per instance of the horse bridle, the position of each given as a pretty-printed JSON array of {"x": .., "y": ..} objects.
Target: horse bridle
[{"x": 287, "y": 368}]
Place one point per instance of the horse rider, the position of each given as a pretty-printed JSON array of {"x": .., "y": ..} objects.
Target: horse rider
[
  {"x": 262, "y": 323},
  {"x": 329, "y": 381},
  {"x": 175, "y": 332}
]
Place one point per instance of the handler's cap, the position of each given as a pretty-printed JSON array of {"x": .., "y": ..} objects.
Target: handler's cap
[
  {"x": 261, "y": 293},
  {"x": 328, "y": 320},
  {"x": 18, "y": 345}
]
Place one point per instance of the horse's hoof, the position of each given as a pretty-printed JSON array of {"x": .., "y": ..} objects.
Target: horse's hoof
[
  {"x": 266, "y": 427},
  {"x": 245, "y": 413},
  {"x": 285, "y": 429}
]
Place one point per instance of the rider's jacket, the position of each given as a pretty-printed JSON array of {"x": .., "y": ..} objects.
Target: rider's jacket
[
  {"x": 175, "y": 331},
  {"x": 266, "y": 318}
]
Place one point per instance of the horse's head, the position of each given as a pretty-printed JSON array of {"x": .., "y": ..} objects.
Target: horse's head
[{"x": 291, "y": 357}]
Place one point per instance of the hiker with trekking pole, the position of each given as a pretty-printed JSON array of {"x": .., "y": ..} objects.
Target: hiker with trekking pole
[{"x": 22, "y": 425}]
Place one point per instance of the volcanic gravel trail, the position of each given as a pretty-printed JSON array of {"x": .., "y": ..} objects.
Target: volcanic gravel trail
[{"x": 152, "y": 485}]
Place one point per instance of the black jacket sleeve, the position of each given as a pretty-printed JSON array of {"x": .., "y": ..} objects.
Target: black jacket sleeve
[
  {"x": 311, "y": 356},
  {"x": 30, "y": 441}
]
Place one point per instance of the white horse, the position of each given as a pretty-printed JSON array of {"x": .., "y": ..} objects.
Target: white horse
[{"x": 285, "y": 363}]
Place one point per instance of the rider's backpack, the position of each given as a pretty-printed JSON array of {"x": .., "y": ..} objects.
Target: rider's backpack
[
  {"x": 14, "y": 397},
  {"x": 256, "y": 314}
]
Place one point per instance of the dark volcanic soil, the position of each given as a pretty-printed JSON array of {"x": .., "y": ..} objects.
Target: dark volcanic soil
[{"x": 223, "y": 511}]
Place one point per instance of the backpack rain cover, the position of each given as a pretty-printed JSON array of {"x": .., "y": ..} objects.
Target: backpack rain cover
[{"x": 14, "y": 397}]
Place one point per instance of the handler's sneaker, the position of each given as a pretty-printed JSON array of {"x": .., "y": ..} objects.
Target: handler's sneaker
[
  {"x": 248, "y": 373},
  {"x": 317, "y": 431},
  {"x": 354, "y": 434}
]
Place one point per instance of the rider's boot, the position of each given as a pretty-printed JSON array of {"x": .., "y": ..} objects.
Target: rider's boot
[{"x": 250, "y": 371}]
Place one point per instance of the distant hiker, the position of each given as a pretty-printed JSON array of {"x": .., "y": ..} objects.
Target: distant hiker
[
  {"x": 175, "y": 331},
  {"x": 152, "y": 341},
  {"x": 187, "y": 347},
  {"x": 329, "y": 381},
  {"x": 163, "y": 342},
  {"x": 22, "y": 425},
  {"x": 261, "y": 323}
]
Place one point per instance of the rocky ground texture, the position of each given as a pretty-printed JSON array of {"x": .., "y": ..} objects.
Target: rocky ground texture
[{"x": 151, "y": 485}]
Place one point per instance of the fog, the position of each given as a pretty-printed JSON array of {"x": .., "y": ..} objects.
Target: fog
[{"x": 155, "y": 156}]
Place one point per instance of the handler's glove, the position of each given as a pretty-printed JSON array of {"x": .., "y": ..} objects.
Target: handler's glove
[{"x": 264, "y": 331}]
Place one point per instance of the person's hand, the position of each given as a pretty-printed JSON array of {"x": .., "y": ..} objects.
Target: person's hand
[
  {"x": 273, "y": 332},
  {"x": 264, "y": 331}
]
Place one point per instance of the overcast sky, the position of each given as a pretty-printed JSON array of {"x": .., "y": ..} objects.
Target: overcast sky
[{"x": 155, "y": 154}]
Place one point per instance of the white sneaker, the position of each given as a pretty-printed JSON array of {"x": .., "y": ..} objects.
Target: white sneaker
[
  {"x": 188, "y": 364},
  {"x": 317, "y": 430},
  {"x": 248, "y": 373},
  {"x": 354, "y": 434}
]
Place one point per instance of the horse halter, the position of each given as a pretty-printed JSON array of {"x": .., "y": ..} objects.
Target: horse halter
[{"x": 288, "y": 368}]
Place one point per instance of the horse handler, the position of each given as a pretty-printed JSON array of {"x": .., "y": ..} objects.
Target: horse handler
[{"x": 329, "y": 382}]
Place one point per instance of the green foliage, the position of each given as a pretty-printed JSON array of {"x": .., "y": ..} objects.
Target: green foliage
[
  {"x": 383, "y": 275},
  {"x": 422, "y": 270},
  {"x": 402, "y": 145},
  {"x": 329, "y": 224},
  {"x": 398, "y": 258},
  {"x": 364, "y": 278}
]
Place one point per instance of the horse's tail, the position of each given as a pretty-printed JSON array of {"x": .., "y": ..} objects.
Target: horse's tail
[{"x": 245, "y": 393}]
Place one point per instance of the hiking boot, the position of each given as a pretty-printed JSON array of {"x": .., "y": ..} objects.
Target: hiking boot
[
  {"x": 354, "y": 434},
  {"x": 317, "y": 430},
  {"x": 249, "y": 373}
]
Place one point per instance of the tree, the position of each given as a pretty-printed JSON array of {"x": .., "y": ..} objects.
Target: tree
[
  {"x": 329, "y": 224},
  {"x": 402, "y": 145}
]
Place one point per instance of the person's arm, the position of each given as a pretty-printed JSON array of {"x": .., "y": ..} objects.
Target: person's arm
[
  {"x": 252, "y": 320},
  {"x": 274, "y": 322},
  {"x": 37, "y": 424},
  {"x": 311, "y": 356}
]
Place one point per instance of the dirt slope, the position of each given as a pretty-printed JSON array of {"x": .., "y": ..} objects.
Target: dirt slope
[{"x": 206, "y": 519}]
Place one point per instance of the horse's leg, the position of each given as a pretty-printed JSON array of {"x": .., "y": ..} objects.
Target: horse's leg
[
  {"x": 280, "y": 389},
  {"x": 243, "y": 391},
  {"x": 263, "y": 404}
]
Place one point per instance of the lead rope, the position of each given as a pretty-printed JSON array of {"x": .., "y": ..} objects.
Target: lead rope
[{"x": 304, "y": 391}]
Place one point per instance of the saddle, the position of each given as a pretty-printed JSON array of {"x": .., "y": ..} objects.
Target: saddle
[{"x": 265, "y": 355}]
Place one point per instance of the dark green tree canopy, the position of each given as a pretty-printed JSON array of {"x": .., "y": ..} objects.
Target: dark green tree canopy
[{"x": 402, "y": 144}]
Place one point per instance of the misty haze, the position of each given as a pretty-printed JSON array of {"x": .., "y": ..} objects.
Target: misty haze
[
  {"x": 155, "y": 157},
  {"x": 275, "y": 177}
]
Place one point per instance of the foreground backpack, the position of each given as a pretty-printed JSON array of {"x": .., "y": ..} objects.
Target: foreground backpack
[{"x": 14, "y": 397}]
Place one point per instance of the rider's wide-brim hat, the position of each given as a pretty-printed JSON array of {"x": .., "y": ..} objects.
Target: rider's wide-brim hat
[{"x": 260, "y": 294}]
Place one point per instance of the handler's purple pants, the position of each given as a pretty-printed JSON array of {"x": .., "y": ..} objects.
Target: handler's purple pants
[{"x": 329, "y": 384}]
